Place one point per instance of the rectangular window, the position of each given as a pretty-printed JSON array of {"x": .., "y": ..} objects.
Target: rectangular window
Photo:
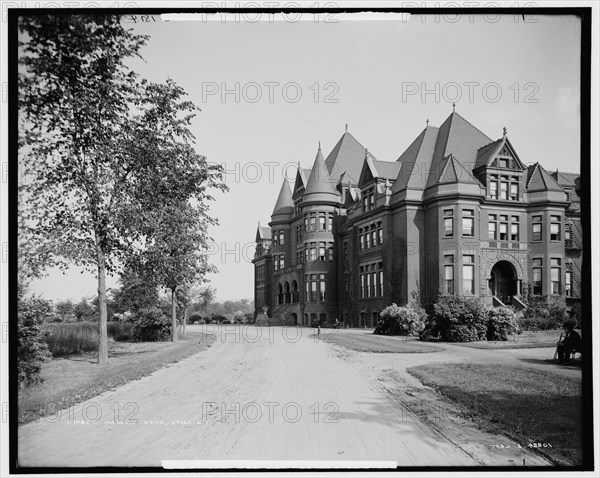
[
  {"x": 569, "y": 281},
  {"x": 380, "y": 235},
  {"x": 313, "y": 223},
  {"x": 330, "y": 252},
  {"x": 330, "y": 222},
  {"x": 306, "y": 224},
  {"x": 468, "y": 274},
  {"x": 555, "y": 276},
  {"x": 492, "y": 233},
  {"x": 514, "y": 191},
  {"x": 380, "y": 284},
  {"x": 362, "y": 283},
  {"x": 313, "y": 252},
  {"x": 449, "y": 274},
  {"x": 368, "y": 282},
  {"x": 306, "y": 255},
  {"x": 307, "y": 296},
  {"x": 448, "y": 226},
  {"x": 514, "y": 232},
  {"x": 367, "y": 240},
  {"x": 282, "y": 262},
  {"x": 313, "y": 287},
  {"x": 555, "y": 228},
  {"x": 322, "y": 252},
  {"x": 537, "y": 276},
  {"x": 322, "y": 222},
  {"x": 361, "y": 240},
  {"x": 468, "y": 223},
  {"x": 503, "y": 190},
  {"x": 536, "y": 230},
  {"x": 503, "y": 231},
  {"x": 494, "y": 189},
  {"x": 373, "y": 238},
  {"x": 322, "y": 288}
]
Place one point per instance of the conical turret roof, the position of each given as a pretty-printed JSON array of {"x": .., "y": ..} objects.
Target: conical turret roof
[
  {"x": 285, "y": 203},
  {"x": 320, "y": 186}
]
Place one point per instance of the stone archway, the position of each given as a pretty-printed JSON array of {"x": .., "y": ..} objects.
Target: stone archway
[{"x": 504, "y": 281}]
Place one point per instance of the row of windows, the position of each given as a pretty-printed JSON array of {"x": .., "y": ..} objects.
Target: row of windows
[
  {"x": 316, "y": 287},
  {"x": 468, "y": 269},
  {"x": 371, "y": 280},
  {"x": 537, "y": 228},
  {"x": 316, "y": 222},
  {"x": 279, "y": 237},
  {"x": 555, "y": 273},
  {"x": 502, "y": 227},
  {"x": 504, "y": 187},
  {"x": 370, "y": 236},
  {"x": 468, "y": 222},
  {"x": 316, "y": 252},
  {"x": 260, "y": 271}
]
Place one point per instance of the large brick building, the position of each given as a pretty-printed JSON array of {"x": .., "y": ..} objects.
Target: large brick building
[{"x": 457, "y": 213}]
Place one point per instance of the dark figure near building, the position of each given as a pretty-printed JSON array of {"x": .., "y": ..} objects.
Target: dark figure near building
[{"x": 570, "y": 343}]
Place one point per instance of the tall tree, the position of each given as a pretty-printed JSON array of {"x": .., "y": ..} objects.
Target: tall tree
[{"x": 99, "y": 144}]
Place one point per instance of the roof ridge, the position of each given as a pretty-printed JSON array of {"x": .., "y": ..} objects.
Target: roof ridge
[{"x": 471, "y": 124}]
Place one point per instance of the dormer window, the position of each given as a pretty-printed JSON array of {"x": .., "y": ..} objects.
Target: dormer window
[{"x": 503, "y": 162}]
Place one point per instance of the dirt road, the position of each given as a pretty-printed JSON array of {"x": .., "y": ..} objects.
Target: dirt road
[{"x": 262, "y": 394}]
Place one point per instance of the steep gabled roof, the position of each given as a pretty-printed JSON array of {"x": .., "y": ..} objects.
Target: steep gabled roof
[
  {"x": 320, "y": 185},
  {"x": 386, "y": 169},
  {"x": 569, "y": 180},
  {"x": 263, "y": 233},
  {"x": 302, "y": 175},
  {"x": 460, "y": 138},
  {"x": 374, "y": 169},
  {"x": 285, "y": 203},
  {"x": 453, "y": 171},
  {"x": 415, "y": 160},
  {"x": 487, "y": 153},
  {"x": 538, "y": 179},
  {"x": 347, "y": 156}
]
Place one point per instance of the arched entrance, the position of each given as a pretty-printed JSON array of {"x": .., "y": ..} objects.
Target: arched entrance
[{"x": 503, "y": 282}]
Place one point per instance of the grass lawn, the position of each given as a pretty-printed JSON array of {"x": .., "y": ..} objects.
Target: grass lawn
[
  {"x": 367, "y": 342},
  {"x": 525, "y": 340},
  {"x": 76, "y": 378},
  {"x": 527, "y": 405}
]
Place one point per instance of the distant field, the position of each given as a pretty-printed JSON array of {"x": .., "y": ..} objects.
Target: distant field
[
  {"x": 367, "y": 342},
  {"x": 76, "y": 378},
  {"x": 527, "y": 405}
]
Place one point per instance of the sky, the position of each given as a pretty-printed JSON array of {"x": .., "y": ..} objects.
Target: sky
[{"x": 270, "y": 91}]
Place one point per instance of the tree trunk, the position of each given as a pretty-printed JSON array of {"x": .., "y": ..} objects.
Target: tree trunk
[
  {"x": 173, "y": 316},
  {"x": 185, "y": 313},
  {"x": 103, "y": 336}
]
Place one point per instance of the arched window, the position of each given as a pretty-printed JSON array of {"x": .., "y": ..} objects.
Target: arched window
[{"x": 288, "y": 295}]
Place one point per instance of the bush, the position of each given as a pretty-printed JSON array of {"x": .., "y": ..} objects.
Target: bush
[
  {"x": 501, "y": 321},
  {"x": 71, "y": 338},
  {"x": 394, "y": 320},
  {"x": 151, "y": 325},
  {"x": 32, "y": 351},
  {"x": 543, "y": 313},
  {"x": 121, "y": 331},
  {"x": 456, "y": 319}
]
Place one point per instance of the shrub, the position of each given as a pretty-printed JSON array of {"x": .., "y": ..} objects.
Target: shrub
[
  {"x": 71, "y": 338},
  {"x": 32, "y": 351},
  {"x": 456, "y": 319},
  {"x": 394, "y": 320},
  {"x": 151, "y": 325},
  {"x": 121, "y": 331},
  {"x": 501, "y": 321},
  {"x": 543, "y": 313}
]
